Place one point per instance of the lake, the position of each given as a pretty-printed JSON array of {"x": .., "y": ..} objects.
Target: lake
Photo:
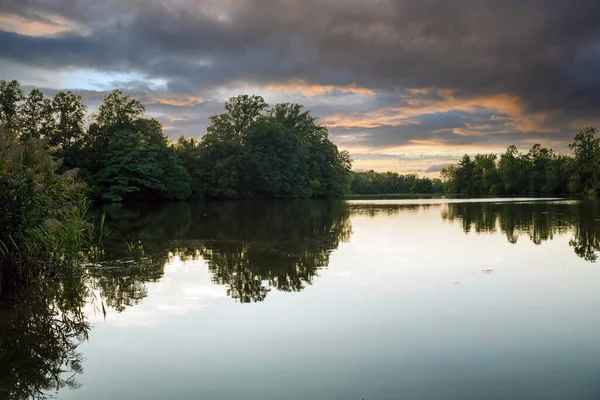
[{"x": 362, "y": 299}]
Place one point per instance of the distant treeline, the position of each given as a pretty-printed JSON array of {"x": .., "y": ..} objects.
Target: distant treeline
[
  {"x": 250, "y": 150},
  {"x": 373, "y": 183},
  {"x": 540, "y": 171}
]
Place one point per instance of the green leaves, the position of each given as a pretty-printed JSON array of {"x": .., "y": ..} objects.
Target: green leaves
[
  {"x": 10, "y": 95},
  {"x": 249, "y": 150},
  {"x": 131, "y": 166},
  {"x": 41, "y": 210},
  {"x": 537, "y": 172},
  {"x": 586, "y": 178},
  {"x": 119, "y": 110},
  {"x": 253, "y": 151}
]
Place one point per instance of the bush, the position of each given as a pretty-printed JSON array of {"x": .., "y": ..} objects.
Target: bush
[{"x": 42, "y": 212}]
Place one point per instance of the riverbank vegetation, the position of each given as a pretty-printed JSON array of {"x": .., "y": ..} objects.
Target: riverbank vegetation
[
  {"x": 540, "y": 171},
  {"x": 382, "y": 183},
  {"x": 249, "y": 151},
  {"x": 42, "y": 210}
]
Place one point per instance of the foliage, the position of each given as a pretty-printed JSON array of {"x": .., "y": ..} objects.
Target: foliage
[
  {"x": 37, "y": 116},
  {"x": 250, "y": 150},
  {"x": 253, "y": 151},
  {"x": 10, "y": 96},
  {"x": 371, "y": 183},
  {"x": 250, "y": 247},
  {"x": 42, "y": 211},
  {"x": 537, "y": 172},
  {"x": 585, "y": 178},
  {"x": 540, "y": 224},
  {"x": 131, "y": 165},
  {"x": 41, "y": 327}
]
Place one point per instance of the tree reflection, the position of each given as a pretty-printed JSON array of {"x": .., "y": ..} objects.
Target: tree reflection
[
  {"x": 250, "y": 246},
  {"x": 538, "y": 221},
  {"x": 373, "y": 209},
  {"x": 253, "y": 247},
  {"x": 586, "y": 238},
  {"x": 41, "y": 327}
]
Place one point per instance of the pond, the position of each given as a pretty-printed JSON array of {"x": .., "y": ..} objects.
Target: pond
[{"x": 361, "y": 299}]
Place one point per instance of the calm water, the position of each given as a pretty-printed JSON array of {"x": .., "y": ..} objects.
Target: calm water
[{"x": 399, "y": 299}]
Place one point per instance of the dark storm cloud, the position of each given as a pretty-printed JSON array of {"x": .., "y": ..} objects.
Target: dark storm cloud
[{"x": 544, "y": 51}]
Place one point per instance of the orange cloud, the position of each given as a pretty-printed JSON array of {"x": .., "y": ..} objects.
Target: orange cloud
[
  {"x": 309, "y": 89},
  {"x": 509, "y": 108},
  {"x": 32, "y": 27},
  {"x": 177, "y": 101}
]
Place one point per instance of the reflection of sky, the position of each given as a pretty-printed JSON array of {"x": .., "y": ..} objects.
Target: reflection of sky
[
  {"x": 185, "y": 287},
  {"x": 410, "y": 307}
]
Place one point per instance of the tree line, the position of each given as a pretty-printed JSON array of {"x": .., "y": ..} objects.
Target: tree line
[
  {"x": 249, "y": 151},
  {"x": 540, "y": 171},
  {"x": 374, "y": 183}
]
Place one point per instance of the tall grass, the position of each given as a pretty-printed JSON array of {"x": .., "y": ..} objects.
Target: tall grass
[{"x": 43, "y": 221}]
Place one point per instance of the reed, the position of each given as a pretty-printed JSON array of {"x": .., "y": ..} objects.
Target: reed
[{"x": 43, "y": 210}]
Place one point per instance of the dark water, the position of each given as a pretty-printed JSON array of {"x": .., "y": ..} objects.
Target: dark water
[{"x": 397, "y": 299}]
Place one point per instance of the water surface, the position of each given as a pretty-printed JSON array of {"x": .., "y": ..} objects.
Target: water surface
[{"x": 376, "y": 299}]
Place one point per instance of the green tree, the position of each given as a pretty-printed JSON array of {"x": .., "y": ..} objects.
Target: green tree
[
  {"x": 251, "y": 151},
  {"x": 131, "y": 168},
  {"x": 586, "y": 147},
  {"x": 119, "y": 111},
  {"x": 514, "y": 168},
  {"x": 36, "y": 116},
  {"x": 10, "y": 96},
  {"x": 241, "y": 113},
  {"x": 275, "y": 158},
  {"x": 67, "y": 135},
  {"x": 189, "y": 155}
]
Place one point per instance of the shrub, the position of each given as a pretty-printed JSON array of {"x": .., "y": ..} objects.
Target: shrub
[{"x": 42, "y": 212}]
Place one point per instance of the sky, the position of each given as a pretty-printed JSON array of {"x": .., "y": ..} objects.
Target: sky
[{"x": 404, "y": 85}]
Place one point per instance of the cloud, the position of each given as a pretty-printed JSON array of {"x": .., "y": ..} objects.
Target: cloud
[
  {"x": 383, "y": 74},
  {"x": 436, "y": 167}
]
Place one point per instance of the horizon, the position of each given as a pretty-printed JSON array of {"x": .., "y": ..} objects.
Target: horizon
[{"x": 404, "y": 86}]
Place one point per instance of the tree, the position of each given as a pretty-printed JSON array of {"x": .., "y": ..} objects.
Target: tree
[
  {"x": 177, "y": 179},
  {"x": 251, "y": 151},
  {"x": 275, "y": 158},
  {"x": 513, "y": 168},
  {"x": 586, "y": 147},
  {"x": 119, "y": 110},
  {"x": 10, "y": 96},
  {"x": 189, "y": 153},
  {"x": 131, "y": 168},
  {"x": 241, "y": 113},
  {"x": 36, "y": 116},
  {"x": 67, "y": 135}
]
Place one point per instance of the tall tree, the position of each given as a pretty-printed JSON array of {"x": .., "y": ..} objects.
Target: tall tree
[
  {"x": 10, "y": 96},
  {"x": 586, "y": 147},
  {"x": 119, "y": 110},
  {"x": 67, "y": 136},
  {"x": 37, "y": 116},
  {"x": 131, "y": 168},
  {"x": 241, "y": 113}
]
